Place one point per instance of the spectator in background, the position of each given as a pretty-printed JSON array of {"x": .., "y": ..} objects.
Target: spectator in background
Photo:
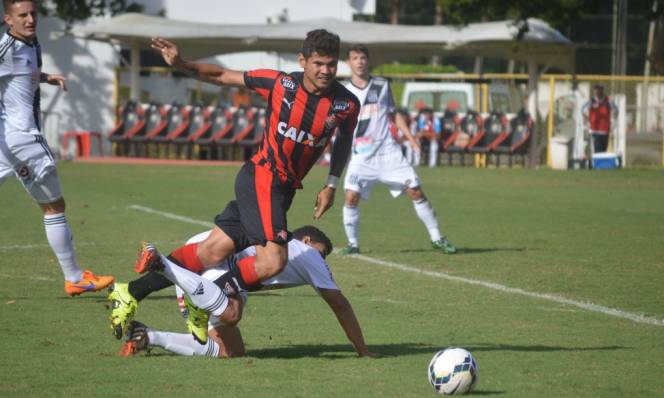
[
  {"x": 241, "y": 97},
  {"x": 427, "y": 132},
  {"x": 598, "y": 113},
  {"x": 399, "y": 137}
]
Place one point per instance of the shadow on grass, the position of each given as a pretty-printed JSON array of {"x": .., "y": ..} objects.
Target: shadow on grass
[
  {"x": 337, "y": 351},
  {"x": 538, "y": 348},
  {"x": 486, "y": 392},
  {"x": 470, "y": 250},
  {"x": 97, "y": 296}
]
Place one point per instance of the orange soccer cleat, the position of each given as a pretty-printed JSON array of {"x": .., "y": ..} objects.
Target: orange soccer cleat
[
  {"x": 137, "y": 340},
  {"x": 148, "y": 259},
  {"x": 88, "y": 283}
]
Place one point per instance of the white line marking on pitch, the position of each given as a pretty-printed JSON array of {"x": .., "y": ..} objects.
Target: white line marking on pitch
[
  {"x": 436, "y": 274},
  {"x": 38, "y": 246},
  {"x": 77, "y": 244},
  {"x": 171, "y": 215},
  {"x": 33, "y": 278}
]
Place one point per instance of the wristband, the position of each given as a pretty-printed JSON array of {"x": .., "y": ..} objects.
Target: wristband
[{"x": 332, "y": 181}]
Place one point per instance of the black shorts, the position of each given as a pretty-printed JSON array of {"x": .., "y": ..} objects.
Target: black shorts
[
  {"x": 600, "y": 142},
  {"x": 260, "y": 207}
]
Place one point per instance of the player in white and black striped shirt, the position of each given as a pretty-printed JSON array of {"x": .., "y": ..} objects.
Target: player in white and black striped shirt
[{"x": 24, "y": 151}]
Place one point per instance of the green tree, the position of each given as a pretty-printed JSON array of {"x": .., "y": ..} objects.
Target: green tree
[
  {"x": 559, "y": 14},
  {"x": 72, "y": 11}
]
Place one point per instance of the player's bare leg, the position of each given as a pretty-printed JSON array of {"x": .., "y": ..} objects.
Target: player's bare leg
[
  {"x": 217, "y": 247},
  {"x": 270, "y": 260}
]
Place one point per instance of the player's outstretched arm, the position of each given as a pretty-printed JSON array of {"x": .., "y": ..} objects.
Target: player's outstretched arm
[
  {"x": 206, "y": 72},
  {"x": 344, "y": 312}
]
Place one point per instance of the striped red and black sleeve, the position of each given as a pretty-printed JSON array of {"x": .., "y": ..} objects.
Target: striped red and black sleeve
[
  {"x": 261, "y": 80},
  {"x": 344, "y": 140},
  {"x": 347, "y": 127}
]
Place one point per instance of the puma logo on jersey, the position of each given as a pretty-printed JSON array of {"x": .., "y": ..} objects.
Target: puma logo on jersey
[
  {"x": 301, "y": 137},
  {"x": 288, "y": 104}
]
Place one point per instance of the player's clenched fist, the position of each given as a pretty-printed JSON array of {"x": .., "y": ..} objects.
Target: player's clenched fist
[{"x": 168, "y": 50}]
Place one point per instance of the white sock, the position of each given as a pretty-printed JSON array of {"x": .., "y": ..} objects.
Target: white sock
[
  {"x": 60, "y": 238},
  {"x": 427, "y": 214},
  {"x": 433, "y": 153},
  {"x": 352, "y": 224},
  {"x": 203, "y": 293},
  {"x": 183, "y": 344}
]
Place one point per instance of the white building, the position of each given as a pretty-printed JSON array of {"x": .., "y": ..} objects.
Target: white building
[{"x": 90, "y": 66}]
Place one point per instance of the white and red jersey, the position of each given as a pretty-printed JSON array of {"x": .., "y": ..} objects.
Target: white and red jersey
[
  {"x": 20, "y": 71},
  {"x": 372, "y": 135},
  {"x": 305, "y": 266},
  {"x": 599, "y": 114}
]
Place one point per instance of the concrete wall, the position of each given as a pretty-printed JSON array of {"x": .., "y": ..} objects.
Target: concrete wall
[{"x": 89, "y": 69}]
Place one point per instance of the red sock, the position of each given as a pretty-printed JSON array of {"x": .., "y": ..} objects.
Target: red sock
[
  {"x": 186, "y": 256},
  {"x": 248, "y": 270}
]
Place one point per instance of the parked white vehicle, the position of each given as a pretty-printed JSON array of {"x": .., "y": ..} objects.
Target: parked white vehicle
[{"x": 436, "y": 95}]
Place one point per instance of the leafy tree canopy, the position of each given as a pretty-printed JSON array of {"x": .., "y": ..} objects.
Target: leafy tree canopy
[{"x": 72, "y": 11}]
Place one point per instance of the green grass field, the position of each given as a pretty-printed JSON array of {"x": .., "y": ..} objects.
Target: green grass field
[{"x": 587, "y": 236}]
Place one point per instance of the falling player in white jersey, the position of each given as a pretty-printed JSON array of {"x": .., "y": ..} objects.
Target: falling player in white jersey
[
  {"x": 24, "y": 151},
  {"x": 377, "y": 157},
  {"x": 213, "y": 337}
]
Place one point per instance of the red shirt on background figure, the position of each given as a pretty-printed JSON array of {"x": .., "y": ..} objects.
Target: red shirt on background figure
[{"x": 598, "y": 112}]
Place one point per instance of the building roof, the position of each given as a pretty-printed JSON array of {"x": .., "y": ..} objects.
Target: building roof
[{"x": 541, "y": 43}]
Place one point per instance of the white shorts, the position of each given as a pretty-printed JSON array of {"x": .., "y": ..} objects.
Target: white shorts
[
  {"x": 28, "y": 156},
  {"x": 391, "y": 169}
]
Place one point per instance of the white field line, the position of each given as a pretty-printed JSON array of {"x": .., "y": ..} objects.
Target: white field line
[
  {"x": 490, "y": 285},
  {"x": 513, "y": 290},
  {"x": 171, "y": 215},
  {"x": 32, "y": 278},
  {"x": 37, "y": 246},
  {"x": 76, "y": 244}
]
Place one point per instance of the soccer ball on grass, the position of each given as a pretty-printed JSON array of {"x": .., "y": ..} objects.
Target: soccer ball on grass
[{"x": 453, "y": 371}]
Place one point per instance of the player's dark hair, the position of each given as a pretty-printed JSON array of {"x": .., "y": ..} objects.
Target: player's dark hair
[
  {"x": 358, "y": 48},
  {"x": 7, "y": 3},
  {"x": 316, "y": 236},
  {"x": 322, "y": 42}
]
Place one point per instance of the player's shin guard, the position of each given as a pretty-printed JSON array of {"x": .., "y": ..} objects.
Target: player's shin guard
[
  {"x": 427, "y": 214},
  {"x": 203, "y": 293},
  {"x": 183, "y": 344},
  {"x": 60, "y": 239},
  {"x": 351, "y": 217},
  {"x": 240, "y": 277}
]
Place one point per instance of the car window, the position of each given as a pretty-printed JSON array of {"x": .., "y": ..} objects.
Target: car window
[
  {"x": 459, "y": 96},
  {"x": 419, "y": 100}
]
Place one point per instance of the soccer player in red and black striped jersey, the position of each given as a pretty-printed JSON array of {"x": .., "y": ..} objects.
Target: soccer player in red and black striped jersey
[{"x": 304, "y": 109}]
